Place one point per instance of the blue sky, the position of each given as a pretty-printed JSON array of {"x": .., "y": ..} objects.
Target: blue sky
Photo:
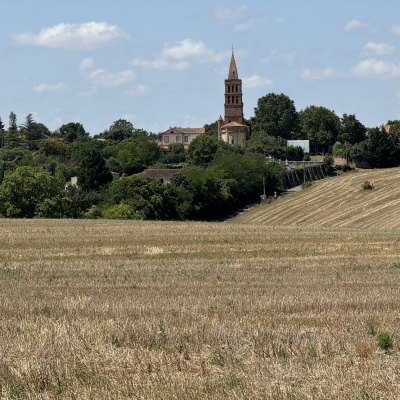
[{"x": 161, "y": 64}]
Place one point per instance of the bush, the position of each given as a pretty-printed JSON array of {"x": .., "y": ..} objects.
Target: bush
[
  {"x": 366, "y": 185},
  {"x": 384, "y": 340}
]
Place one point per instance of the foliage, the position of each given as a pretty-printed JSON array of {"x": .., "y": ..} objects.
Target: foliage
[
  {"x": 321, "y": 126},
  {"x": 276, "y": 115},
  {"x": 202, "y": 150},
  {"x": 28, "y": 192},
  {"x": 260, "y": 142},
  {"x": 328, "y": 164},
  {"x": 352, "y": 130},
  {"x": 212, "y": 129},
  {"x": 294, "y": 153},
  {"x": 90, "y": 166},
  {"x": 72, "y": 132},
  {"x": 120, "y": 211},
  {"x": 385, "y": 340},
  {"x": 175, "y": 154},
  {"x": 367, "y": 185},
  {"x": 135, "y": 155},
  {"x": 379, "y": 150}
]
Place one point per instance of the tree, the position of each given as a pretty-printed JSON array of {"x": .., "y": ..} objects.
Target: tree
[
  {"x": 135, "y": 155},
  {"x": 2, "y": 131},
  {"x": 72, "y": 131},
  {"x": 379, "y": 150},
  {"x": 28, "y": 192},
  {"x": 276, "y": 115},
  {"x": 352, "y": 130},
  {"x": 91, "y": 168},
  {"x": 202, "y": 150},
  {"x": 11, "y": 138},
  {"x": 175, "y": 153},
  {"x": 260, "y": 142},
  {"x": 321, "y": 126}
]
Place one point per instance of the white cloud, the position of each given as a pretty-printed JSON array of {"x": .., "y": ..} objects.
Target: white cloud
[
  {"x": 99, "y": 78},
  {"x": 326, "y": 73},
  {"x": 285, "y": 57},
  {"x": 354, "y": 24},
  {"x": 49, "y": 87},
  {"x": 252, "y": 23},
  {"x": 83, "y": 36},
  {"x": 372, "y": 48},
  {"x": 373, "y": 68},
  {"x": 102, "y": 78},
  {"x": 178, "y": 55},
  {"x": 86, "y": 64},
  {"x": 255, "y": 81},
  {"x": 230, "y": 13}
]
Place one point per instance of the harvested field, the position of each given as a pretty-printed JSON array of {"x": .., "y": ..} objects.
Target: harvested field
[
  {"x": 336, "y": 202},
  {"x": 162, "y": 310}
]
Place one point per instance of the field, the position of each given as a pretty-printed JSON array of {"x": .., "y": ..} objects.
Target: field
[
  {"x": 162, "y": 310},
  {"x": 337, "y": 202}
]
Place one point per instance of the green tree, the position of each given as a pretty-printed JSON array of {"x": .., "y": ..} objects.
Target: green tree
[
  {"x": 135, "y": 155},
  {"x": 28, "y": 192},
  {"x": 379, "y": 149},
  {"x": 260, "y": 142},
  {"x": 352, "y": 130},
  {"x": 321, "y": 126},
  {"x": 175, "y": 154},
  {"x": 2, "y": 131},
  {"x": 11, "y": 137},
  {"x": 72, "y": 132},
  {"x": 90, "y": 166},
  {"x": 202, "y": 150},
  {"x": 276, "y": 115}
]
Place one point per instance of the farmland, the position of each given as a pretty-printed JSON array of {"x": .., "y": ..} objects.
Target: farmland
[
  {"x": 150, "y": 310},
  {"x": 339, "y": 201}
]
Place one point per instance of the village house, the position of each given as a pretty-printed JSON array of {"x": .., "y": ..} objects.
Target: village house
[
  {"x": 162, "y": 175},
  {"x": 180, "y": 135}
]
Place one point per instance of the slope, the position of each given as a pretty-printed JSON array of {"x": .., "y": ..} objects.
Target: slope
[{"x": 336, "y": 202}]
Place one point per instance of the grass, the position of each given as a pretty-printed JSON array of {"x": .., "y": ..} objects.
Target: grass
[
  {"x": 336, "y": 202},
  {"x": 150, "y": 310}
]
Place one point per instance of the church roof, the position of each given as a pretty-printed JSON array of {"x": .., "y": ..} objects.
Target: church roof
[
  {"x": 232, "y": 124},
  {"x": 232, "y": 69}
]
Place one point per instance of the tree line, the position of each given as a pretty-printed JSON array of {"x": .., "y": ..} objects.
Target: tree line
[{"x": 36, "y": 165}]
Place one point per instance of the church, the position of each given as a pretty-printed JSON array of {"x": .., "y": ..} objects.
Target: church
[{"x": 233, "y": 129}]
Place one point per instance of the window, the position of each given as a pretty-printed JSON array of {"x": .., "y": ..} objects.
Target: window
[
  {"x": 166, "y": 139},
  {"x": 186, "y": 139},
  {"x": 177, "y": 138}
]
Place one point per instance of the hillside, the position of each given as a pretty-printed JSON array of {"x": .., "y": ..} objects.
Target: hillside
[{"x": 336, "y": 202}]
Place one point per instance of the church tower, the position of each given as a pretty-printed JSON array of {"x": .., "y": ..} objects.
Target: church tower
[
  {"x": 232, "y": 128},
  {"x": 233, "y": 95}
]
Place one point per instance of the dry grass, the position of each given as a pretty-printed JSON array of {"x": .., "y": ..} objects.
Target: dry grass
[
  {"x": 337, "y": 202},
  {"x": 142, "y": 310}
]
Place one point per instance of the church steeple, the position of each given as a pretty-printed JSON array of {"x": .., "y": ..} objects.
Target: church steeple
[
  {"x": 233, "y": 95},
  {"x": 232, "y": 68}
]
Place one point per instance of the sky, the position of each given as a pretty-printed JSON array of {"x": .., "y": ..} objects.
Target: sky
[{"x": 162, "y": 64}]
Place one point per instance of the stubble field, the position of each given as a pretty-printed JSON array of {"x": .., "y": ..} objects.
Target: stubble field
[{"x": 162, "y": 310}]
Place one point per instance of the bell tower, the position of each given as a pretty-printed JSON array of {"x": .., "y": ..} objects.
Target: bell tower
[{"x": 233, "y": 95}]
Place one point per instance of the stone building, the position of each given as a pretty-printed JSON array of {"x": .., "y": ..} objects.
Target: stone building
[{"x": 232, "y": 129}]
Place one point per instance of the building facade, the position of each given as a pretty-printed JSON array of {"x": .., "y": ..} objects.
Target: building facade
[
  {"x": 180, "y": 135},
  {"x": 232, "y": 129}
]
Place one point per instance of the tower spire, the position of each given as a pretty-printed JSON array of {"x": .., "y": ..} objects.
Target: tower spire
[{"x": 232, "y": 68}]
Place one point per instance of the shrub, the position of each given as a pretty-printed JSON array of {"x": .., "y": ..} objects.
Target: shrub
[
  {"x": 366, "y": 185},
  {"x": 384, "y": 340}
]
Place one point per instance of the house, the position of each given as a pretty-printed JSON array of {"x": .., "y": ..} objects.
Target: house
[
  {"x": 180, "y": 135},
  {"x": 162, "y": 175},
  {"x": 232, "y": 129}
]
